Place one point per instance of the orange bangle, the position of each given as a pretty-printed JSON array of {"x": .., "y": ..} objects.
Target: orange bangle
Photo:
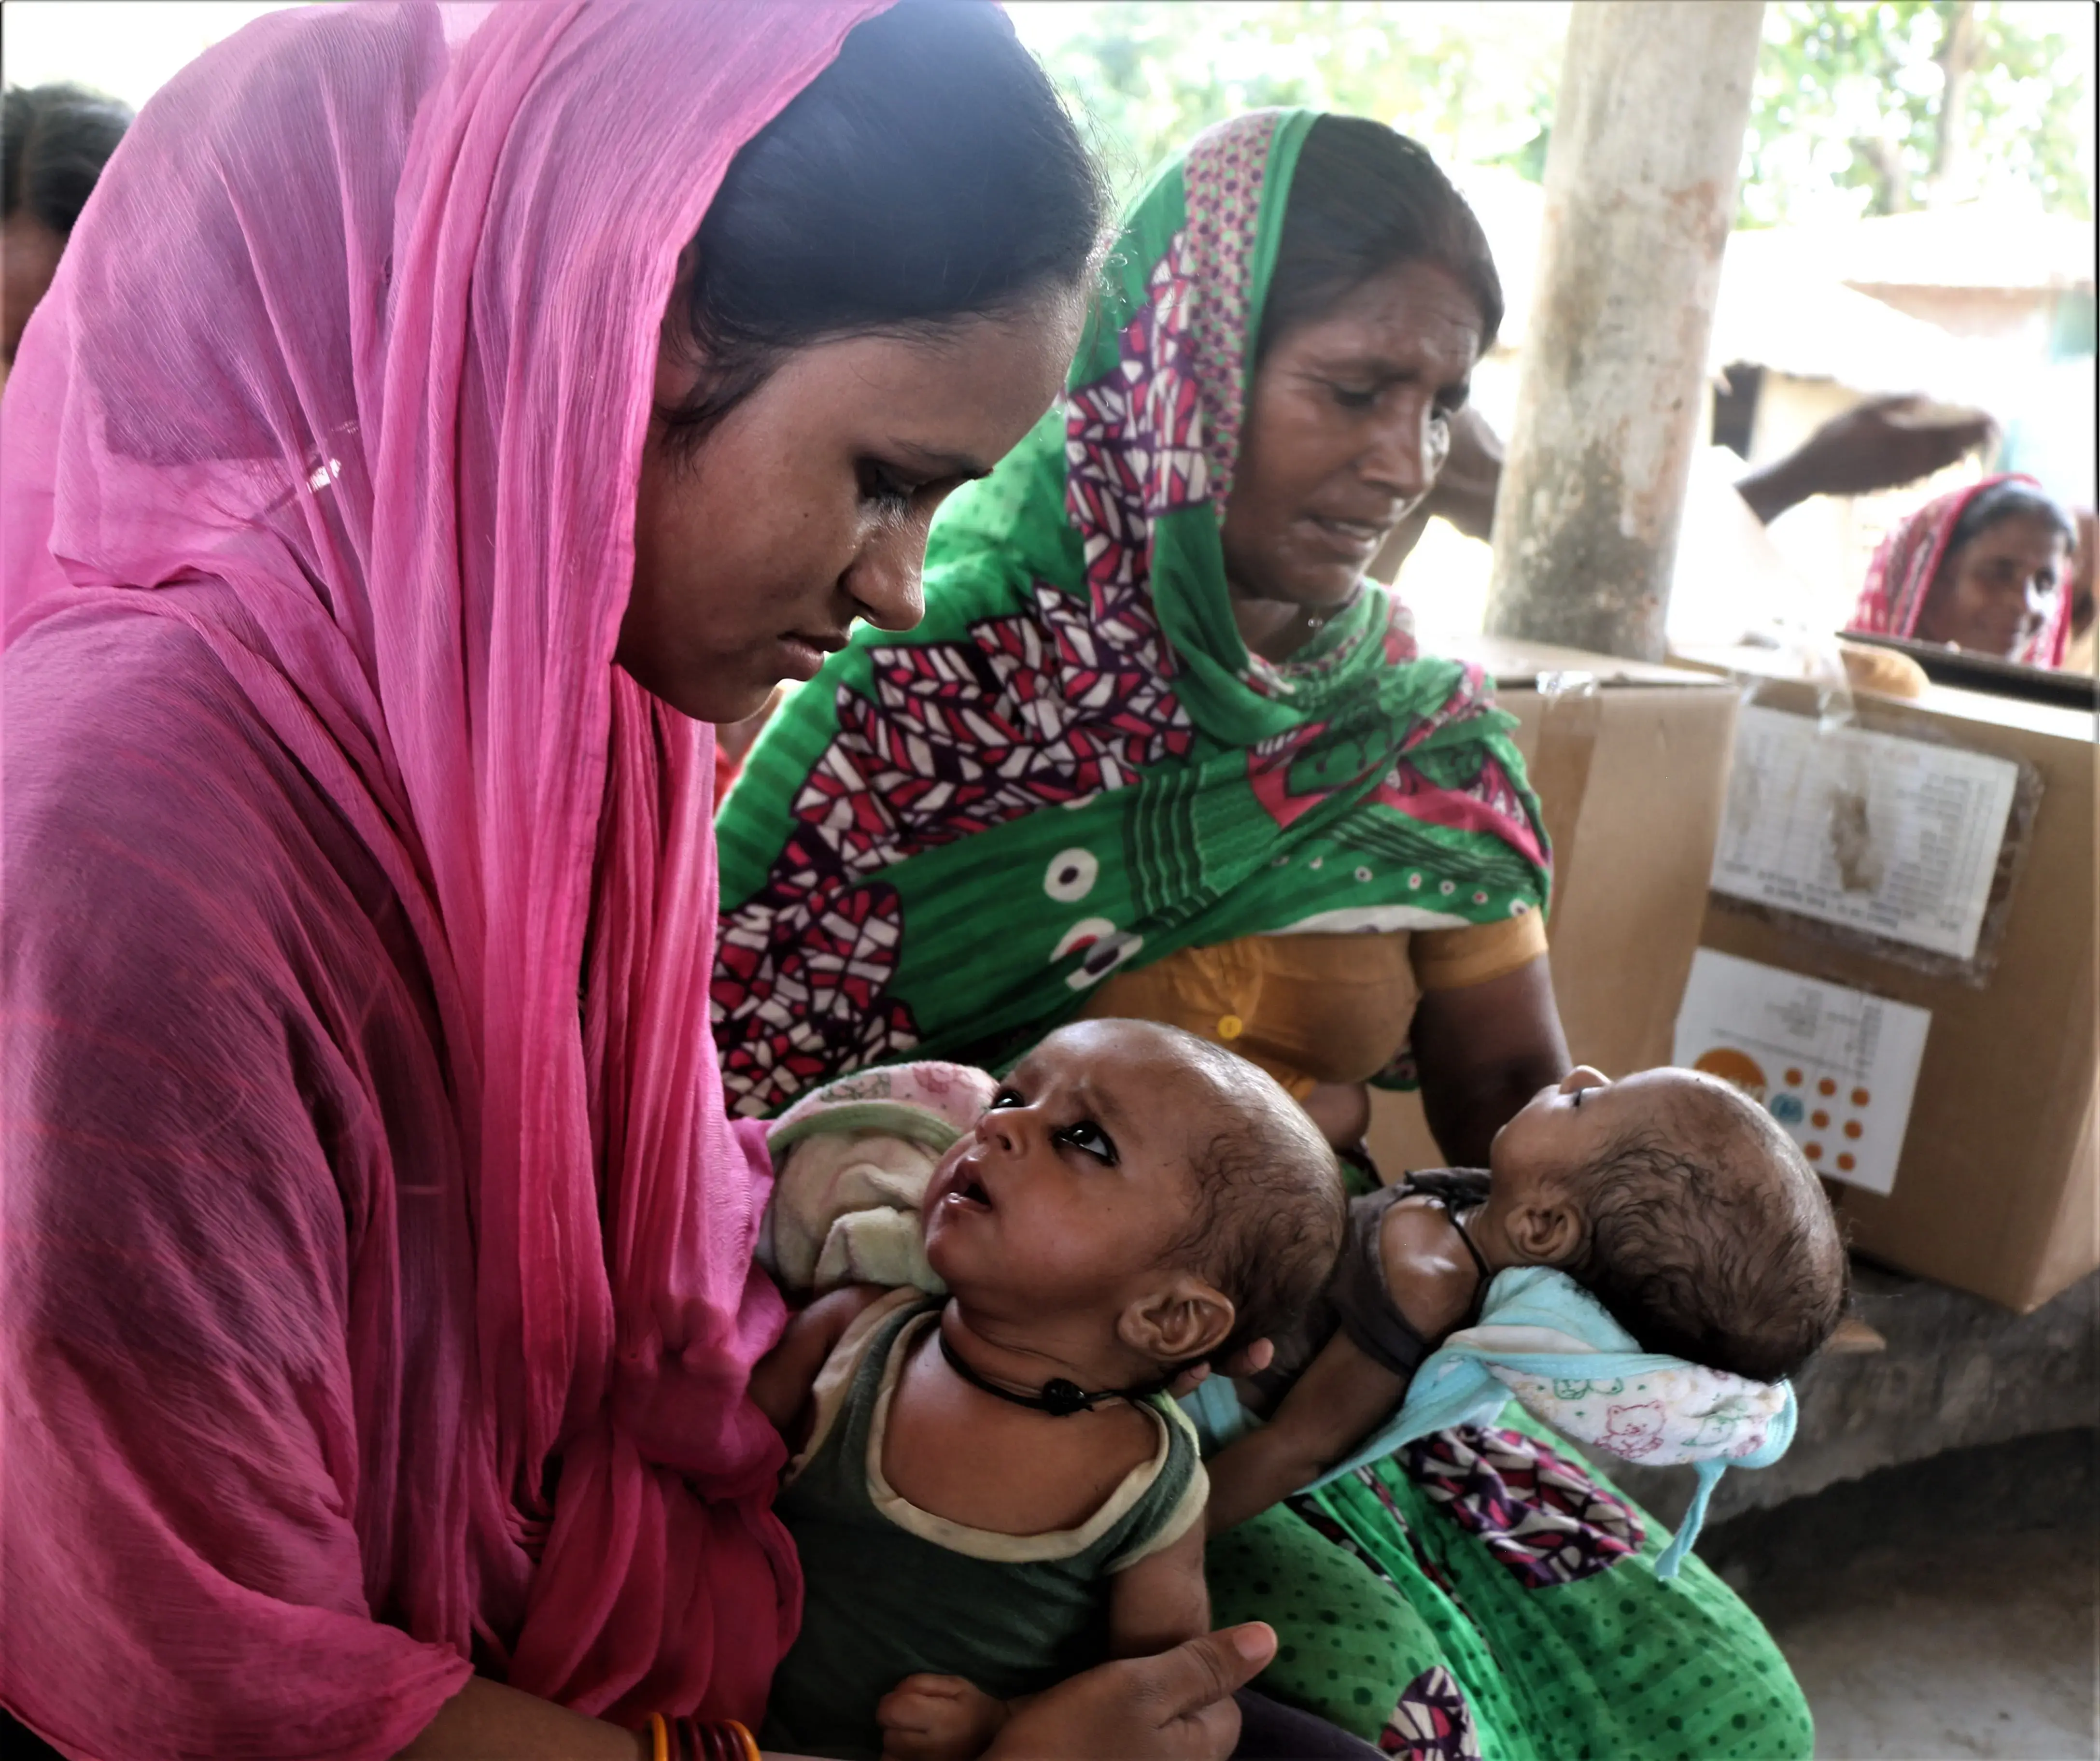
[
  {"x": 659, "y": 1738},
  {"x": 750, "y": 1742}
]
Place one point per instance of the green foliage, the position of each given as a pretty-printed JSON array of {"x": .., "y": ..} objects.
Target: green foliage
[
  {"x": 1850, "y": 96},
  {"x": 1473, "y": 83},
  {"x": 1845, "y": 114}
]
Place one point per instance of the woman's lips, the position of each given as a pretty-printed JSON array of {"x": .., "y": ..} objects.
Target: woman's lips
[
  {"x": 802, "y": 657},
  {"x": 1348, "y": 538}
]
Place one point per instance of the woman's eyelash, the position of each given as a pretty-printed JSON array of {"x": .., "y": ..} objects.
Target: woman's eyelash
[{"x": 879, "y": 484}]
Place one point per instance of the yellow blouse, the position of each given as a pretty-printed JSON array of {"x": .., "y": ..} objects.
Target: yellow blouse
[{"x": 1317, "y": 1008}]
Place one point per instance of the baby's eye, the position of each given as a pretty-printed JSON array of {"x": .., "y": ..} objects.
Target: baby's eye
[
  {"x": 1007, "y": 1097},
  {"x": 1090, "y": 1139},
  {"x": 1576, "y": 1098}
]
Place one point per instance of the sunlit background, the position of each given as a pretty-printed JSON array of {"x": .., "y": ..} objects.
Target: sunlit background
[{"x": 1915, "y": 212}]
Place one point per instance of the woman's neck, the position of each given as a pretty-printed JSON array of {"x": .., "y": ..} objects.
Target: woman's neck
[{"x": 1278, "y": 628}]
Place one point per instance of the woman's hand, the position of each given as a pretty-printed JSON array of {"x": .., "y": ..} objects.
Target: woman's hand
[
  {"x": 1176, "y": 1706},
  {"x": 1254, "y": 1357}
]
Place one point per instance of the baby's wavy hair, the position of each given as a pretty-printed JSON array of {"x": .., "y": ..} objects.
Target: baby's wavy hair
[
  {"x": 1269, "y": 1207},
  {"x": 1711, "y": 1239}
]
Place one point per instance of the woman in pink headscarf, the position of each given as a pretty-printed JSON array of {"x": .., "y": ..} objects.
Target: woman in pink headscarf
[
  {"x": 1985, "y": 569},
  {"x": 441, "y": 416}
]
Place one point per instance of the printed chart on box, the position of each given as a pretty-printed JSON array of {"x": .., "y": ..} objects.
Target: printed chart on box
[
  {"x": 1835, "y": 1067},
  {"x": 1896, "y": 837}
]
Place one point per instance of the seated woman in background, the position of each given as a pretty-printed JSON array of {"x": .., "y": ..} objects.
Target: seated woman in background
[
  {"x": 1985, "y": 569},
  {"x": 1159, "y": 749}
]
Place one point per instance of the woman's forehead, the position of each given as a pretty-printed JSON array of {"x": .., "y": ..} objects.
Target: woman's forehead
[{"x": 1413, "y": 313}]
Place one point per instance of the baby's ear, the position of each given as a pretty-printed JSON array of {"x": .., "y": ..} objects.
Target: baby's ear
[
  {"x": 1545, "y": 1231},
  {"x": 1183, "y": 1318}
]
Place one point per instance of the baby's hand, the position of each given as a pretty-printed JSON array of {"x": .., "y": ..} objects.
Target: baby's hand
[{"x": 938, "y": 1718}]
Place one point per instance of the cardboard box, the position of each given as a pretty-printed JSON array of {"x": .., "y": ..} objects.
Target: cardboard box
[
  {"x": 1994, "y": 1187},
  {"x": 1630, "y": 763}
]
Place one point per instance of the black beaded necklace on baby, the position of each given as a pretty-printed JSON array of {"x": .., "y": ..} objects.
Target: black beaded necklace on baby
[{"x": 1059, "y": 1397}]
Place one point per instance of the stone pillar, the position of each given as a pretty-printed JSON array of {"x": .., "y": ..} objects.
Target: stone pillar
[{"x": 1640, "y": 194}]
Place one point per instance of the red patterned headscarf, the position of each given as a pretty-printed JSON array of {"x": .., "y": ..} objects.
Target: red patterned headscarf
[{"x": 1907, "y": 562}]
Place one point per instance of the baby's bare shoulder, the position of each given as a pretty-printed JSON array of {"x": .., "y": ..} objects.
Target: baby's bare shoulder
[{"x": 1431, "y": 1278}]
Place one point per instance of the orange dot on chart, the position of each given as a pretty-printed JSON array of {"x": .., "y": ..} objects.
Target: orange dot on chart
[
  {"x": 1793, "y": 1078},
  {"x": 1860, "y": 1098},
  {"x": 1845, "y": 1163},
  {"x": 1813, "y": 1151},
  {"x": 1851, "y": 1127},
  {"x": 1819, "y": 1119},
  {"x": 1826, "y": 1087}
]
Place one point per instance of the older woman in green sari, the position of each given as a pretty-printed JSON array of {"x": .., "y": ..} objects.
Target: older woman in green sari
[{"x": 1160, "y": 749}]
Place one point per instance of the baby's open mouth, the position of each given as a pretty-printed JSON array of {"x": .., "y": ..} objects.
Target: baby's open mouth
[{"x": 969, "y": 1190}]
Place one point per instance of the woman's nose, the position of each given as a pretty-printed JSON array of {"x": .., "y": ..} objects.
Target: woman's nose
[
  {"x": 884, "y": 580},
  {"x": 1407, "y": 451}
]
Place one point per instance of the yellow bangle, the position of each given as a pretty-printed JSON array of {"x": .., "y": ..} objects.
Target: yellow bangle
[
  {"x": 750, "y": 1742},
  {"x": 659, "y": 1738}
]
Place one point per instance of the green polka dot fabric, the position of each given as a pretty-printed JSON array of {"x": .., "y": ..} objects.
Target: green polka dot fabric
[{"x": 1400, "y": 1623}]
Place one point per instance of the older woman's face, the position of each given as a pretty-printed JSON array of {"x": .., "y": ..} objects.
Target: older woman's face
[
  {"x": 1345, "y": 432},
  {"x": 808, "y": 507},
  {"x": 1993, "y": 595}
]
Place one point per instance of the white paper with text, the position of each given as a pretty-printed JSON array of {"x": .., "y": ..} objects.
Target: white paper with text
[{"x": 1896, "y": 837}]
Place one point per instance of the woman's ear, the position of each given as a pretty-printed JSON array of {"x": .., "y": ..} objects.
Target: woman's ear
[
  {"x": 1545, "y": 1231},
  {"x": 1182, "y": 1319}
]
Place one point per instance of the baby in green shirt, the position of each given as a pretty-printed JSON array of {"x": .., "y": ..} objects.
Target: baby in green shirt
[{"x": 991, "y": 1490}]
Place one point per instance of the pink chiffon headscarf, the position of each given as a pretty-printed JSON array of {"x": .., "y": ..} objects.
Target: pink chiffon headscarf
[{"x": 347, "y": 371}]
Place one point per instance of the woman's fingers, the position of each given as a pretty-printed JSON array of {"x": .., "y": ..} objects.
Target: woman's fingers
[
  {"x": 1206, "y": 1672},
  {"x": 1176, "y": 1706}
]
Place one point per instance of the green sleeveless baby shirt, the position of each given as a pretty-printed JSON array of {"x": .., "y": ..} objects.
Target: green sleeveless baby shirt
[{"x": 892, "y": 1590}]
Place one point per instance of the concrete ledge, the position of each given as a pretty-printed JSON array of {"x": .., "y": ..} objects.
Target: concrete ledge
[{"x": 1958, "y": 1372}]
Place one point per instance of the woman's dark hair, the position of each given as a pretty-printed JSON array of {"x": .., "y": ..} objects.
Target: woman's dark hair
[
  {"x": 53, "y": 141},
  {"x": 1364, "y": 200},
  {"x": 929, "y": 174},
  {"x": 2009, "y": 500}
]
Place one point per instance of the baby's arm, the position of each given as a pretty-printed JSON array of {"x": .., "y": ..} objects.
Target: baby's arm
[
  {"x": 1154, "y": 1605},
  {"x": 781, "y": 1380},
  {"x": 1341, "y": 1396},
  {"x": 1345, "y": 1393},
  {"x": 1162, "y": 1601}
]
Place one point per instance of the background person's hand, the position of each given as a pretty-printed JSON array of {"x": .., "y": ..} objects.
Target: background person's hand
[
  {"x": 1882, "y": 444},
  {"x": 1176, "y": 1706}
]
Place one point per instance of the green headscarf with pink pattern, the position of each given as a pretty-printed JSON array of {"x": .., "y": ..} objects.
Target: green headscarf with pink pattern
[{"x": 1075, "y": 763}]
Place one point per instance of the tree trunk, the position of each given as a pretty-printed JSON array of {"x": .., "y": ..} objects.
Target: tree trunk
[
  {"x": 1957, "y": 64},
  {"x": 1640, "y": 194}
]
